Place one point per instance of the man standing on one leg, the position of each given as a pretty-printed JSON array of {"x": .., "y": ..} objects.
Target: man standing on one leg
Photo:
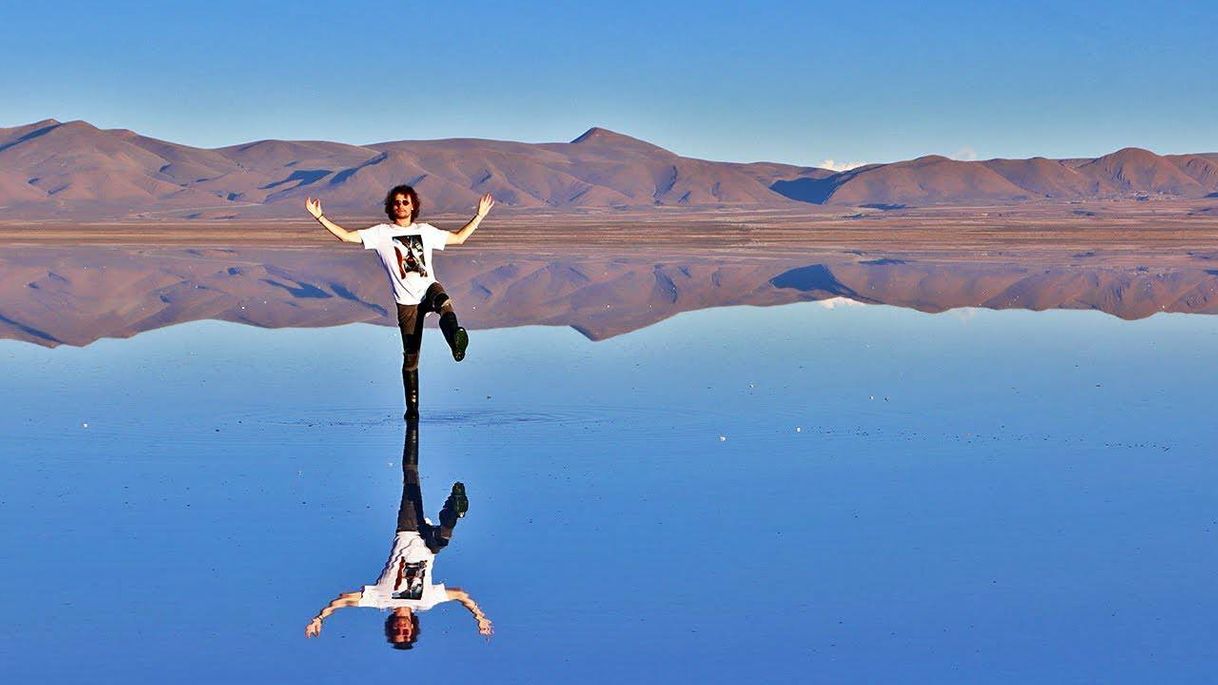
[{"x": 405, "y": 249}]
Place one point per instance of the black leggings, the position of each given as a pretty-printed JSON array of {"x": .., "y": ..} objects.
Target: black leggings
[
  {"x": 410, "y": 322},
  {"x": 410, "y": 512}
]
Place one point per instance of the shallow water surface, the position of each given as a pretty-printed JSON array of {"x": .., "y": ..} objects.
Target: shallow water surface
[{"x": 821, "y": 491}]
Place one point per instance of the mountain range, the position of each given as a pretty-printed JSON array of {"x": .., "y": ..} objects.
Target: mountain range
[{"x": 76, "y": 171}]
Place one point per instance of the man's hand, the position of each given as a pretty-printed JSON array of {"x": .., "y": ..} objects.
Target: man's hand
[
  {"x": 485, "y": 627},
  {"x": 314, "y": 628},
  {"x": 484, "y": 205},
  {"x": 313, "y": 204}
]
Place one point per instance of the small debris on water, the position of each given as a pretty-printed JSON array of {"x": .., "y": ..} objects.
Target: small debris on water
[
  {"x": 84, "y": 425},
  {"x": 722, "y": 438}
]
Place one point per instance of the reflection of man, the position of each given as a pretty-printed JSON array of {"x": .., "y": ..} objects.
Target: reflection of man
[{"x": 406, "y": 585}]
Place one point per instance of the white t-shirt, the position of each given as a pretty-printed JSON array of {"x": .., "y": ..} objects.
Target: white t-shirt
[
  {"x": 406, "y": 253},
  {"x": 406, "y": 580}
]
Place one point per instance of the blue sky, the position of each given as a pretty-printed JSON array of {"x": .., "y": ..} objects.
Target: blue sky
[{"x": 798, "y": 82}]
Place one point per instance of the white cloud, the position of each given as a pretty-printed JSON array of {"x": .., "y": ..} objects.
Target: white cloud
[
  {"x": 834, "y": 165},
  {"x": 965, "y": 154}
]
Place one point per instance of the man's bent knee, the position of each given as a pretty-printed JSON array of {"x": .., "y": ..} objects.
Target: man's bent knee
[{"x": 436, "y": 297}]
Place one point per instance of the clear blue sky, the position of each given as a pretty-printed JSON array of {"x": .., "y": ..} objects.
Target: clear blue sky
[{"x": 794, "y": 82}]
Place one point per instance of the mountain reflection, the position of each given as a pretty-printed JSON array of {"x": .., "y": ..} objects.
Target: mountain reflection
[
  {"x": 407, "y": 585},
  {"x": 75, "y": 296}
]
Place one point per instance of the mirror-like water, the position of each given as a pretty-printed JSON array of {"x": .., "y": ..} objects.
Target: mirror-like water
[
  {"x": 75, "y": 296},
  {"x": 819, "y": 490}
]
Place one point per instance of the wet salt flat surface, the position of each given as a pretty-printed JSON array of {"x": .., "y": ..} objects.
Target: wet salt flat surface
[{"x": 824, "y": 493}]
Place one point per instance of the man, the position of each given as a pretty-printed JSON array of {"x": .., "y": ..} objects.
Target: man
[
  {"x": 405, "y": 249},
  {"x": 407, "y": 585}
]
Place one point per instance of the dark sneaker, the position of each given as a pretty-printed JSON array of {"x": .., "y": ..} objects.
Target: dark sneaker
[
  {"x": 459, "y": 500},
  {"x": 460, "y": 342}
]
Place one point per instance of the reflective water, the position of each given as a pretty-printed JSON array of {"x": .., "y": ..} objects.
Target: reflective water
[
  {"x": 817, "y": 491},
  {"x": 76, "y": 296}
]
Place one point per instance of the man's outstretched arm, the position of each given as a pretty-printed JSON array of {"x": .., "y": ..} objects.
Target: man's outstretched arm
[
  {"x": 347, "y": 599},
  {"x": 314, "y": 207},
  {"x": 484, "y": 208},
  {"x": 485, "y": 627}
]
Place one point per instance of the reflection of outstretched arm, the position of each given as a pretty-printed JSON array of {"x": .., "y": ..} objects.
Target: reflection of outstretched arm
[
  {"x": 485, "y": 627},
  {"x": 347, "y": 599}
]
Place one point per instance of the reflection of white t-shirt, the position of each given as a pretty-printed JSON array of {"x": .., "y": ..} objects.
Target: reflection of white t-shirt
[
  {"x": 406, "y": 253},
  {"x": 406, "y": 580}
]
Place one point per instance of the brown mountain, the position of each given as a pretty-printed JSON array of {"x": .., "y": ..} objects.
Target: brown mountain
[
  {"x": 931, "y": 179},
  {"x": 76, "y": 296},
  {"x": 1201, "y": 168},
  {"x": 1047, "y": 178},
  {"x": 1133, "y": 170},
  {"x": 75, "y": 171}
]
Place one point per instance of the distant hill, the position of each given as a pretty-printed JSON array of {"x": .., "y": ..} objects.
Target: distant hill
[{"x": 76, "y": 171}]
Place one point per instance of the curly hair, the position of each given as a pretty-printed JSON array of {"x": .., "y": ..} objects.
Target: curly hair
[
  {"x": 409, "y": 192},
  {"x": 390, "y": 625}
]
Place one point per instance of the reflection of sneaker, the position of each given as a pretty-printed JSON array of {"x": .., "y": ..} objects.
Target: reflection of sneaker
[
  {"x": 460, "y": 342},
  {"x": 459, "y": 500}
]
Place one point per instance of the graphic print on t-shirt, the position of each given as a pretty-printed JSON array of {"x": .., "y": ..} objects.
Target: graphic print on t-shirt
[
  {"x": 410, "y": 580},
  {"x": 411, "y": 258}
]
